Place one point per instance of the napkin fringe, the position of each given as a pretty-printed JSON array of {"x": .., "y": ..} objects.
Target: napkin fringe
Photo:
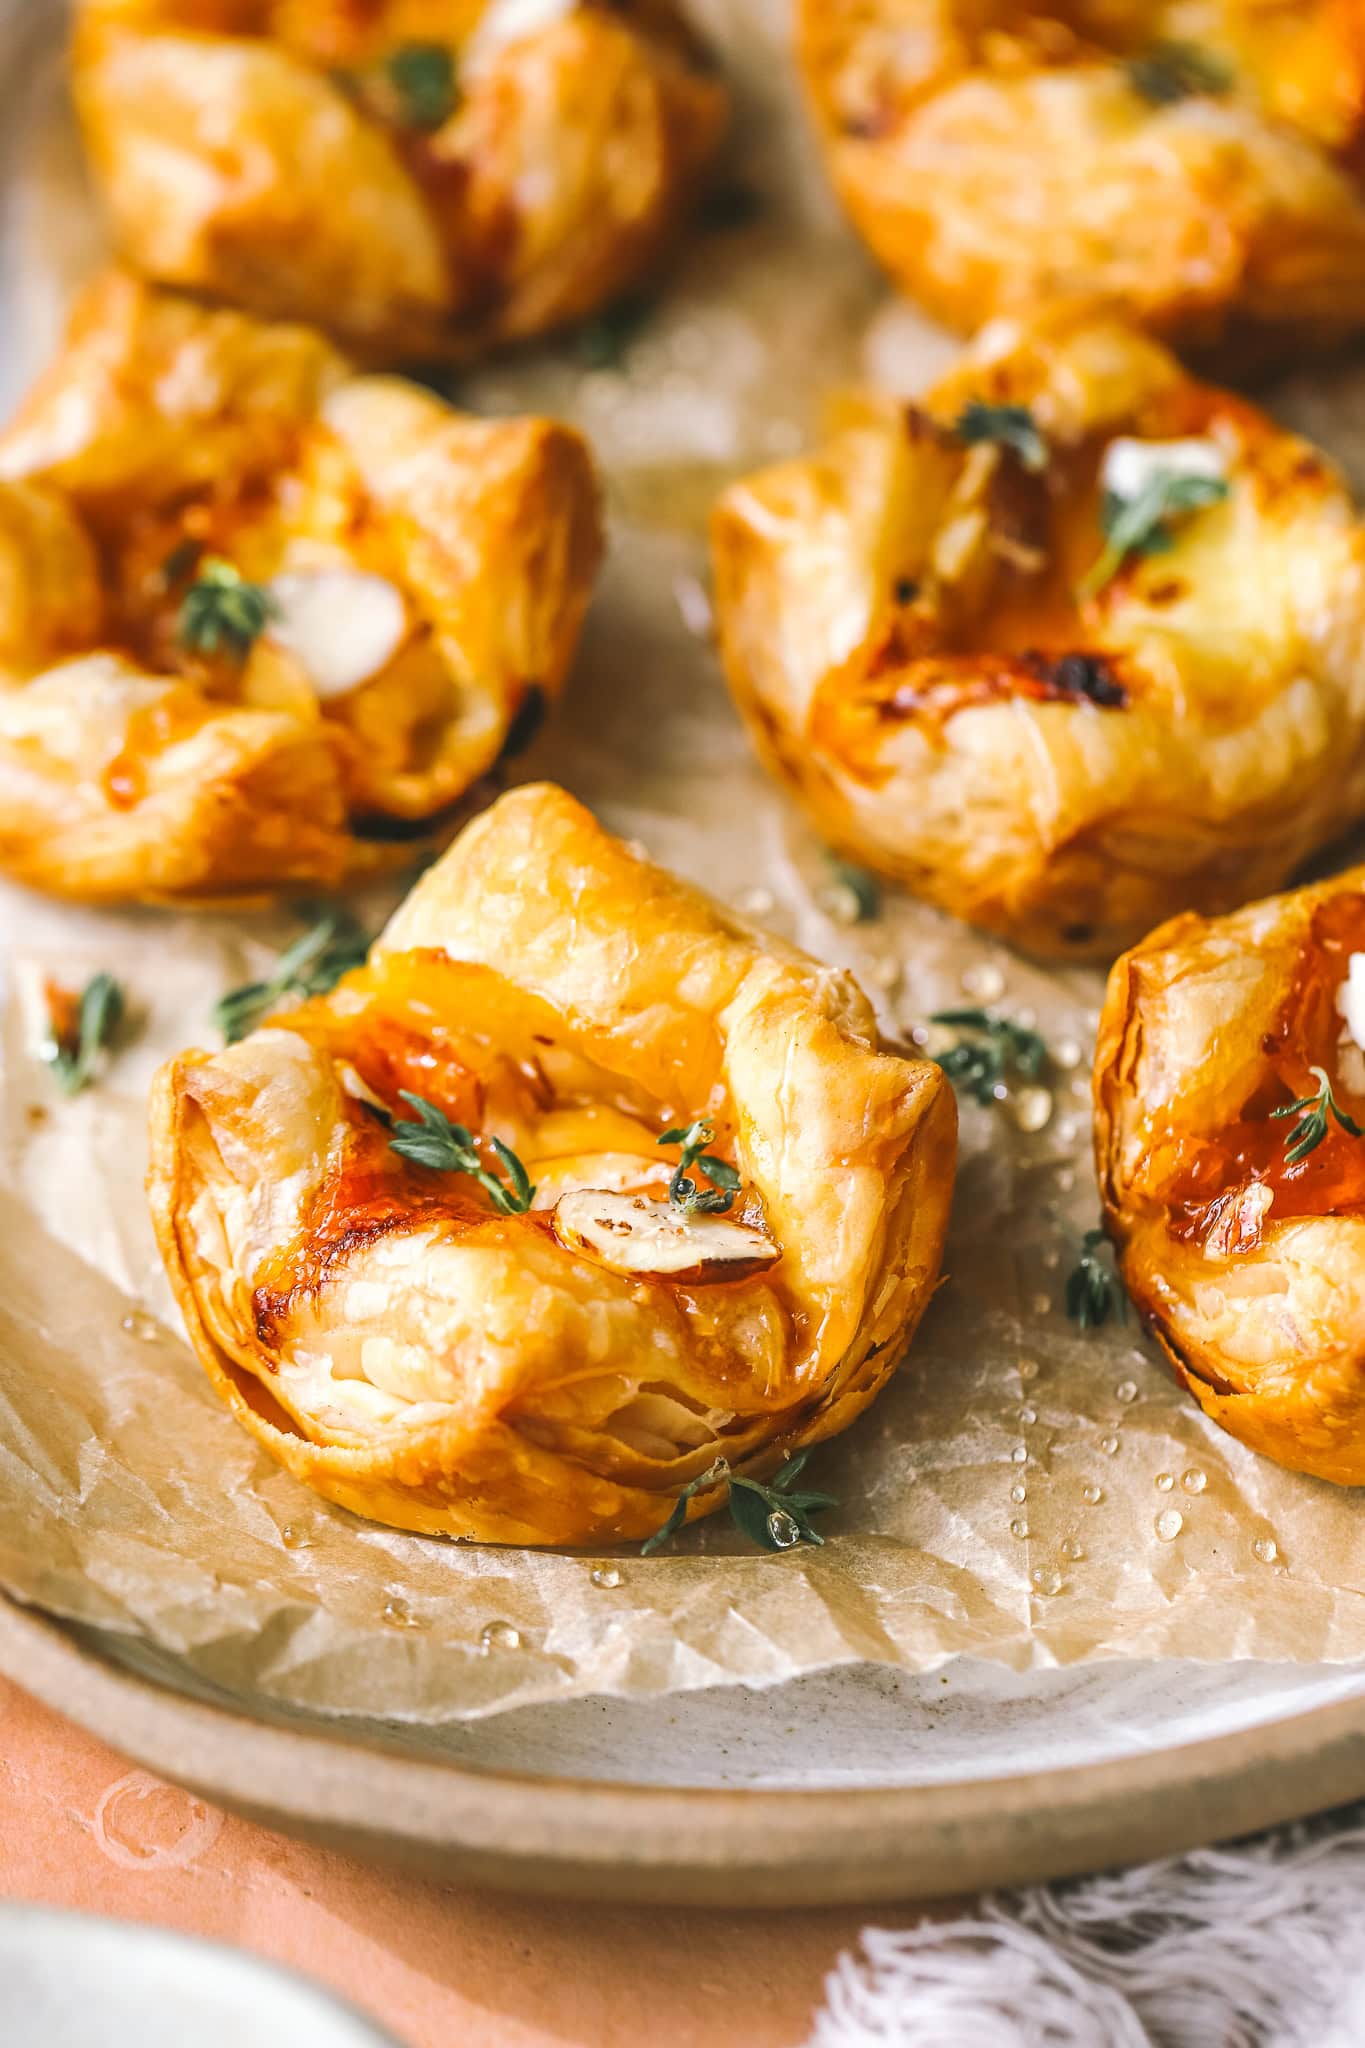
[{"x": 1254, "y": 1946}]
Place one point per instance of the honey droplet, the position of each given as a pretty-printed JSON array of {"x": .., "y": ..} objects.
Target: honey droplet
[
  {"x": 1031, "y": 1109},
  {"x": 606, "y": 1575},
  {"x": 1041, "y": 1304},
  {"x": 1165, "y": 1481},
  {"x": 1092, "y": 1495},
  {"x": 1194, "y": 1481},
  {"x": 140, "y": 1325},
  {"x": 1047, "y": 1582},
  {"x": 396, "y": 1613},
  {"x": 984, "y": 982},
  {"x": 1109, "y": 1445},
  {"x": 1018, "y": 1493},
  {"x": 1028, "y": 1368},
  {"x": 499, "y": 1635},
  {"x": 1018, "y": 1527},
  {"x": 1028, "y": 1415},
  {"x": 1068, "y": 1053},
  {"x": 1126, "y": 1391},
  {"x": 1169, "y": 1524},
  {"x": 293, "y": 1537},
  {"x": 1266, "y": 1549},
  {"x": 1019, "y": 1454},
  {"x": 1073, "y": 1550}
]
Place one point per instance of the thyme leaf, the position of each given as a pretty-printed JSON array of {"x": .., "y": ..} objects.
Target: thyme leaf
[
  {"x": 991, "y": 1048},
  {"x": 1094, "y": 1291},
  {"x": 1142, "y": 525},
  {"x": 683, "y": 1191},
  {"x": 424, "y": 81},
  {"x": 432, "y": 1140},
  {"x": 221, "y": 613},
  {"x": 1009, "y": 426},
  {"x": 1313, "y": 1112},
  {"x": 1172, "y": 71},
  {"x": 775, "y": 1515},
  {"x": 313, "y": 964},
  {"x": 603, "y": 342},
  {"x": 865, "y": 891},
  {"x": 81, "y": 1030}
]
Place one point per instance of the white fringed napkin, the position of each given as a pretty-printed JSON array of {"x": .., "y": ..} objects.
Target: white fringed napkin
[{"x": 1261, "y": 1945}]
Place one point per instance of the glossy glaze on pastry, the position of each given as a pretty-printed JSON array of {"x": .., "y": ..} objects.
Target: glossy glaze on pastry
[
  {"x": 425, "y": 573},
  {"x": 1200, "y": 161},
  {"x": 555, "y": 1376},
  {"x": 1233, "y": 1186},
  {"x": 938, "y": 652},
  {"x": 425, "y": 178}
]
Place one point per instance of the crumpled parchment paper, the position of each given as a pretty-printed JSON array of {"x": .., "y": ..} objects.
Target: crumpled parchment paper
[{"x": 1022, "y": 1491}]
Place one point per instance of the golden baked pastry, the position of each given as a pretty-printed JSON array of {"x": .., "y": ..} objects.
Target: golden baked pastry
[
  {"x": 1199, "y": 160},
  {"x": 424, "y": 177},
  {"x": 417, "y": 1345},
  {"x": 259, "y": 614},
  {"x": 1229, "y": 1107},
  {"x": 1074, "y": 642}
]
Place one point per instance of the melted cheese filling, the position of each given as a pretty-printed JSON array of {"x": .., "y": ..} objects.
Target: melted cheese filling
[{"x": 341, "y": 625}]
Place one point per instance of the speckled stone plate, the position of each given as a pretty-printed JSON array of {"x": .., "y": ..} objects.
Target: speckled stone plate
[{"x": 858, "y": 1783}]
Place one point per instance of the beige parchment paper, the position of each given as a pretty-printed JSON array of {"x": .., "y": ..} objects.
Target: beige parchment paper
[{"x": 1021, "y": 1492}]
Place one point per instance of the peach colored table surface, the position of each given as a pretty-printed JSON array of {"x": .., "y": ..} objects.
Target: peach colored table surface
[{"x": 80, "y": 1828}]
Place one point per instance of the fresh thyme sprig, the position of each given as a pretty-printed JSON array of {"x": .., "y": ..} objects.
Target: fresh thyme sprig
[
  {"x": 1177, "y": 71},
  {"x": 81, "y": 1029},
  {"x": 312, "y": 965},
  {"x": 424, "y": 80},
  {"x": 775, "y": 1516},
  {"x": 1313, "y": 1112},
  {"x": 221, "y": 613},
  {"x": 433, "y": 1140},
  {"x": 1094, "y": 1291},
  {"x": 1142, "y": 525},
  {"x": 1010, "y": 426},
  {"x": 995, "y": 1047},
  {"x": 683, "y": 1191}
]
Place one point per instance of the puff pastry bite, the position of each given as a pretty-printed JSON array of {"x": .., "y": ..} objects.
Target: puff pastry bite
[
  {"x": 1199, "y": 160},
  {"x": 1229, "y": 1107},
  {"x": 1072, "y": 643},
  {"x": 258, "y": 614},
  {"x": 423, "y": 177},
  {"x": 435, "y": 1356}
]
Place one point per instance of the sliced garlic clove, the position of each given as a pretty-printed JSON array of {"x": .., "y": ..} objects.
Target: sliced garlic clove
[
  {"x": 631, "y": 1234},
  {"x": 342, "y": 625},
  {"x": 354, "y": 1084},
  {"x": 1130, "y": 465},
  {"x": 603, "y": 1172}
]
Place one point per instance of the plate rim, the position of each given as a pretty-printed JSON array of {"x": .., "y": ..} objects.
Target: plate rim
[{"x": 707, "y": 1846}]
